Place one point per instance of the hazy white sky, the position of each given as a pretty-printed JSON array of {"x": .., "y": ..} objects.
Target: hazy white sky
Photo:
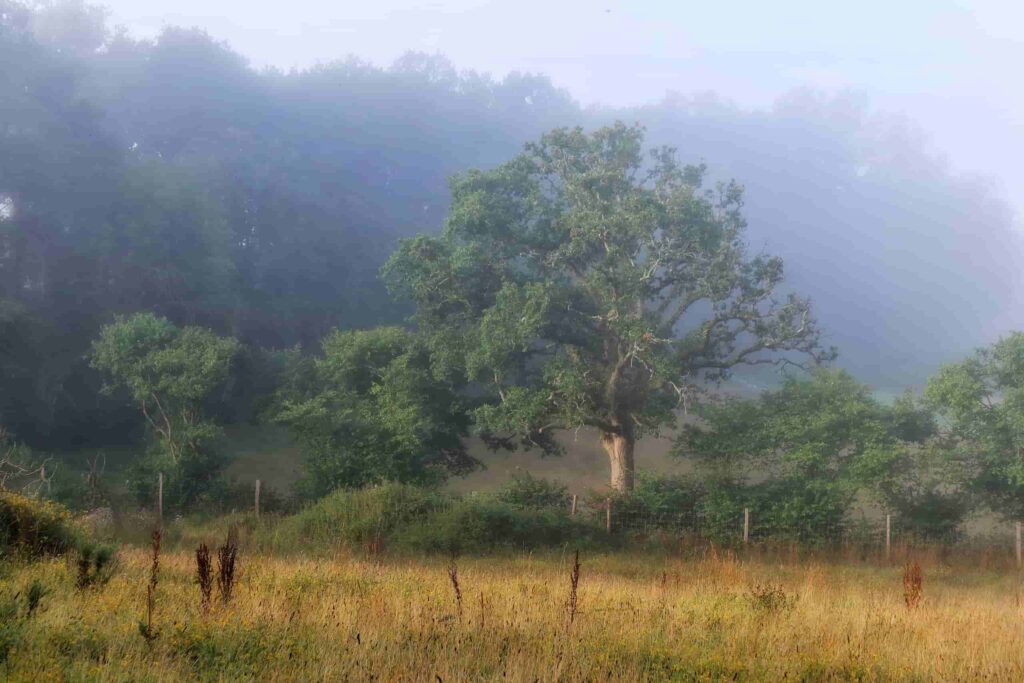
[{"x": 951, "y": 66}]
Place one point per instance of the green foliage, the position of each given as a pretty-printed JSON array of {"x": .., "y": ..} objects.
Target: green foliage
[
  {"x": 480, "y": 523},
  {"x": 371, "y": 410},
  {"x": 669, "y": 495},
  {"x": 929, "y": 491},
  {"x": 524, "y": 490},
  {"x": 564, "y": 276},
  {"x": 35, "y": 527},
  {"x": 37, "y": 590},
  {"x": 799, "y": 455},
  {"x": 668, "y": 502},
  {"x": 820, "y": 427},
  {"x": 721, "y": 511},
  {"x": 410, "y": 518},
  {"x": 95, "y": 565},
  {"x": 357, "y": 516},
  {"x": 981, "y": 402},
  {"x": 170, "y": 373}
]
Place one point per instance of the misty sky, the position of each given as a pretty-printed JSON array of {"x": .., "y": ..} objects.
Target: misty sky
[{"x": 951, "y": 67}]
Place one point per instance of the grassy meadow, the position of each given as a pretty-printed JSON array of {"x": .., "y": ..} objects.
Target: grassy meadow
[{"x": 698, "y": 615}]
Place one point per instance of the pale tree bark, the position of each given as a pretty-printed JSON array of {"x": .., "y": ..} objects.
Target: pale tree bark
[{"x": 619, "y": 447}]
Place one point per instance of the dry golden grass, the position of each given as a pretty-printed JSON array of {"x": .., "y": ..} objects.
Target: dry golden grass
[{"x": 639, "y": 618}]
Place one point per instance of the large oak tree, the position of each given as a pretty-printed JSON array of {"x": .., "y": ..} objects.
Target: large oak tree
[{"x": 582, "y": 284}]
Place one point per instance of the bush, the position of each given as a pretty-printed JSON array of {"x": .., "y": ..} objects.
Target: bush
[
  {"x": 665, "y": 502},
  {"x": 35, "y": 527},
  {"x": 809, "y": 511},
  {"x": 933, "y": 516},
  {"x": 721, "y": 511},
  {"x": 668, "y": 495},
  {"x": 95, "y": 565},
  {"x": 411, "y": 518},
  {"x": 481, "y": 523},
  {"x": 188, "y": 482},
  {"x": 357, "y": 516},
  {"x": 528, "y": 492}
]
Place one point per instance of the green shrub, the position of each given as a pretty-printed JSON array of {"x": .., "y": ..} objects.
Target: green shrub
[
  {"x": 357, "y": 516},
  {"x": 658, "y": 502},
  {"x": 411, "y": 518},
  {"x": 95, "y": 565},
  {"x": 37, "y": 590},
  {"x": 721, "y": 511},
  {"x": 529, "y": 492},
  {"x": 667, "y": 495},
  {"x": 481, "y": 523},
  {"x": 933, "y": 515},
  {"x": 809, "y": 511},
  {"x": 805, "y": 510},
  {"x": 35, "y": 527}
]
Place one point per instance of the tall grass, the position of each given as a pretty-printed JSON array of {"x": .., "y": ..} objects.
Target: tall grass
[{"x": 640, "y": 617}]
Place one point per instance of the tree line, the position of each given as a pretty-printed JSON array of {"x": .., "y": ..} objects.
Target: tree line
[
  {"x": 186, "y": 242},
  {"x": 586, "y": 283}
]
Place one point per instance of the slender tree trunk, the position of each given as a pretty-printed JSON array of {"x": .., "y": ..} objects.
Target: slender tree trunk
[{"x": 619, "y": 447}]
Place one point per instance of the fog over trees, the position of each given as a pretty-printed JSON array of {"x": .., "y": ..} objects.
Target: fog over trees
[{"x": 168, "y": 176}]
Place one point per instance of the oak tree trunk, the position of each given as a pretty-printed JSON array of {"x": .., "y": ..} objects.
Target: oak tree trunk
[{"x": 619, "y": 447}]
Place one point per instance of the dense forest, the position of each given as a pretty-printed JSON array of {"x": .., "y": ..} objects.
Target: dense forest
[{"x": 162, "y": 197}]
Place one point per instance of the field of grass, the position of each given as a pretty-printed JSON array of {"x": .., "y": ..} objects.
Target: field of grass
[{"x": 650, "y": 616}]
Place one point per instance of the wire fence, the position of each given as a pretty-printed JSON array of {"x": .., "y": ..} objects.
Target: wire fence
[
  {"x": 863, "y": 536},
  {"x": 878, "y": 535}
]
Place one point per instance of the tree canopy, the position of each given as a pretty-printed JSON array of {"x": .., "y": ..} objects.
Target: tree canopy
[
  {"x": 170, "y": 373},
  {"x": 168, "y": 175},
  {"x": 981, "y": 403},
  {"x": 371, "y": 410},
  {"x": 803, "y": 453},
  {"x": 583, "y": 284}
]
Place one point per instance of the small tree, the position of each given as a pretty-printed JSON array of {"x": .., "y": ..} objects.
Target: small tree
[
  {"x": 580, "y": 285},
  {"x": 170, "y": 373},
  {"x": 981, "y": 401},
  {"x": 803, "y": 451},
  {"x": 371, "y": 410}
]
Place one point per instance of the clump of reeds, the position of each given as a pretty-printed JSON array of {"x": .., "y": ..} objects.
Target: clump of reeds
[
  {"x": 34, "y": 597},
  {"x": 204, "y": 576},
  {"x": 146, "y": 627},
  {"x": 453, "y": 575},
  {"x": 770, "y": 598},
  {"x": 574, "y": 583},
  {"x": 226, "y": 556},
  {"x": 912, "y": 584}
]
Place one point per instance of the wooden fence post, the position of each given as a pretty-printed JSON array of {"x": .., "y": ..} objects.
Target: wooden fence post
[
  {"x": 888, "y": 538},
  {"x": 160, "y": 500},
  {"x": 257, "y": 499},
  {"x": 1018, "y": 547},
  {"x": 608, "y": 515},
  {"x": 746, "y": 526},
  {"x": 572, "y": 510}
]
